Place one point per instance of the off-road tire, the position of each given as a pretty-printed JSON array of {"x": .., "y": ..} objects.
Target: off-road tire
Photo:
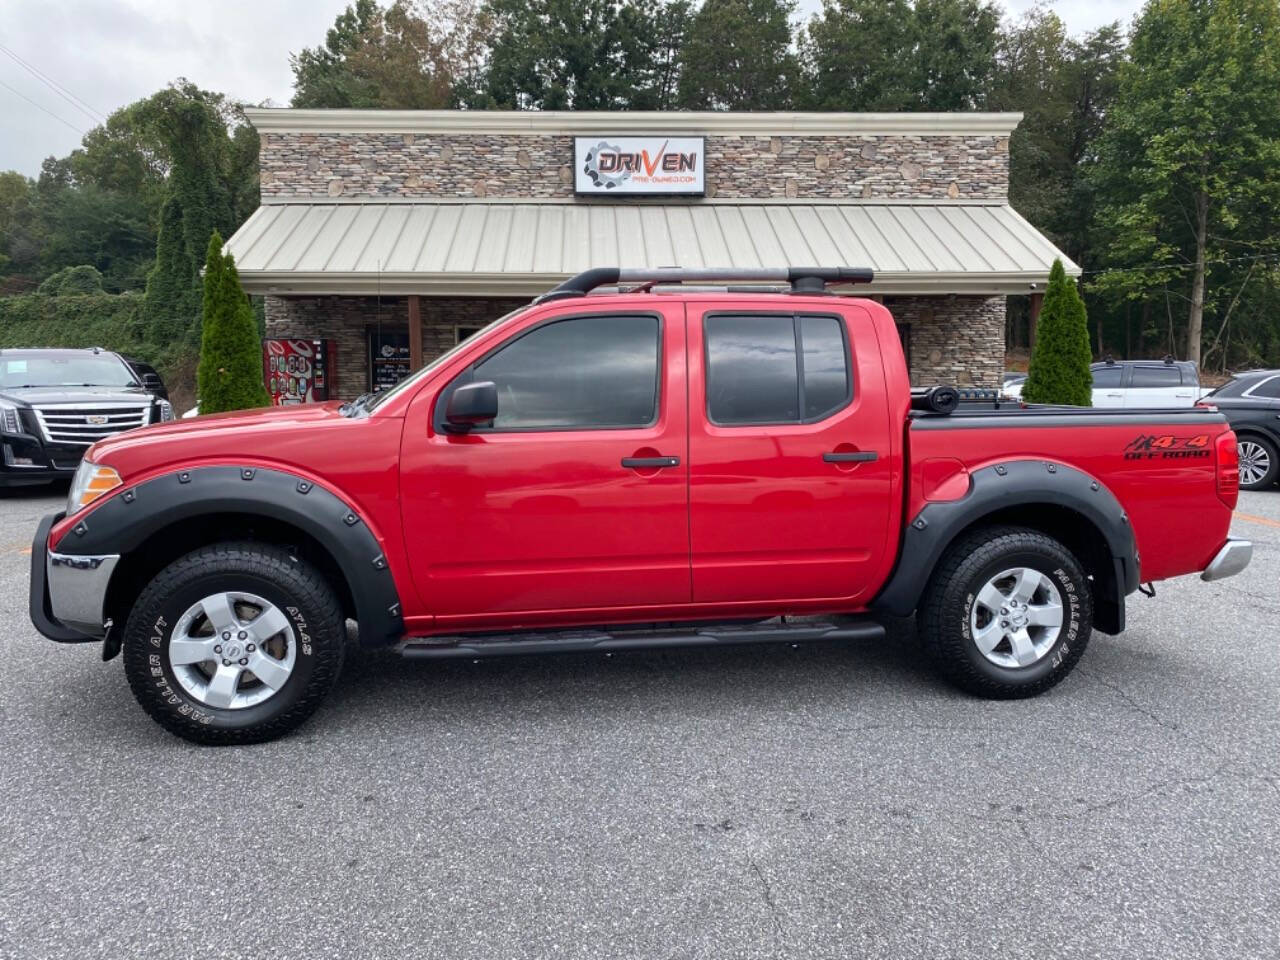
[
  {"x": 269, "y": 571},
  {"x": 944, "y": 615}
]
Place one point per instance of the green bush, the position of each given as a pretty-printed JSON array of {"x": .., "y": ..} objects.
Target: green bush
[
  {"x": 1059, "y": 371},
  {"x": 230, "y": 372},
  {"x": 112, "y": 321},
  {"x": 72, "y": 281}
]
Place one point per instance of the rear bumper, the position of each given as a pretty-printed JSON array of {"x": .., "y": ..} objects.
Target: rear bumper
[
  {"x": 1230, "y": 560},
  {"x": 68, "y": 592}
]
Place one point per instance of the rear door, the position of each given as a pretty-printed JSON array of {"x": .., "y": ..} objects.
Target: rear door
[
  {"x": 1158, "y": 385},
  {"x": 790, "y": 454}
]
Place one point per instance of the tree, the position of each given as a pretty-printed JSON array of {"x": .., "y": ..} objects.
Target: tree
[
  {"x": 230, "y": 373},
  {"x": 1187, "y": 167},
  {"x": 738, "y": 56},
  {"x": 566, "y": 55},
  {"x": 197, "y": 203},
  {"x": 900, "y": 55},
  {"x": 955, "y": 52},
  {"x": 1059, "y": 371},
  {"x": 399, "y": 57},
  {"x": 857, "y": 56}
]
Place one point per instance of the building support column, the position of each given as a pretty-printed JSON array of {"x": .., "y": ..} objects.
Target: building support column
[
  {"x": 1037, "y": 301},
  {"x": 415, "y": 333}
]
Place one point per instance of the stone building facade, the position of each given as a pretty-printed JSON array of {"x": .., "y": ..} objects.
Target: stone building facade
[{"x": 951, "y": 249}]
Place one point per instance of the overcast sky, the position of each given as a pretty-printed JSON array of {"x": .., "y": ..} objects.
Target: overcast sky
[{"x": 108, "y": 53}]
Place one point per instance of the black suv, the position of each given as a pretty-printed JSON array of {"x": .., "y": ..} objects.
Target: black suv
[
  {"x": 1251, "y": 402},
  {"x": 55, "y": 403}
]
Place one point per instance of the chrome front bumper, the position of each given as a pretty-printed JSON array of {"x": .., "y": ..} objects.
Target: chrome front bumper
[
  {"x": 68, "y": 591},
  {"x": 78, "y": 590},
  {"x": 1230, "y": 560}
]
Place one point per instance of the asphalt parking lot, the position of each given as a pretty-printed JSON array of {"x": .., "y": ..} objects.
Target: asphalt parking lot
[{"x": 827, "y": 801}]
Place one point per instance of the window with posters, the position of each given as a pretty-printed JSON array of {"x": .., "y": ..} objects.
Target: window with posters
[{"x": 296, "y": 371}]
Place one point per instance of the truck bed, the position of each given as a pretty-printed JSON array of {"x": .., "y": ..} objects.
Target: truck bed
[{"x": 1161, "y": 464}]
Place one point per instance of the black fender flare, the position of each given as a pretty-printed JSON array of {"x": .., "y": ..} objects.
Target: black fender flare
[
  {"x": 998, "y": 487},
  {"x": 134, "y": 514}
]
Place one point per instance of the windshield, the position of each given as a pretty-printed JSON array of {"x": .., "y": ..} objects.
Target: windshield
[
  {"x": 65, "y": 370},
  {"x": 372, "y": 403}
]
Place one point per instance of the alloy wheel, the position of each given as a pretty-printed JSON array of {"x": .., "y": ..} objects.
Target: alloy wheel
[
  {"x": 1255, "y": 462},
  {"x": 1016, "y": 617},
  {"x": 233, "y": 650}
]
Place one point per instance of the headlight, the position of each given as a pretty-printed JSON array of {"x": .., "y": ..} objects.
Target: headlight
[
  {"x": 90, "y": 482},
  {"x": 166, "y": 411},
  {"x": 9, "y": 419}
]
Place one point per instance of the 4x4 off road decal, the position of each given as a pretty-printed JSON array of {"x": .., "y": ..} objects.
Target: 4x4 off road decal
[{"x": 1168, "y": 447}]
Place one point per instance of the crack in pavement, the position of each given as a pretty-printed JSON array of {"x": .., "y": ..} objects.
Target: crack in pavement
[
  {"x": 1128, "y": 698},
  {"x": 767, "y": 891}
]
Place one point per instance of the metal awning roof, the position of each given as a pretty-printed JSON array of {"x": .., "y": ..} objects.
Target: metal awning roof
[{"x": 480, "y": 247}]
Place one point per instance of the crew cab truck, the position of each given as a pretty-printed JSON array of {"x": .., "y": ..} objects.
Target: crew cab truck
[{"x": 661, "y": 465}]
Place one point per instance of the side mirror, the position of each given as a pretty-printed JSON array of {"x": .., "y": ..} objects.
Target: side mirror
[
  {"x": 152, "y": 381},
  {"x": 471, "y": 404}
]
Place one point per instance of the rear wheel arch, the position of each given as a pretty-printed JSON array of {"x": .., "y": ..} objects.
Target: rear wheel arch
[{"x": 1050, "y": 498}]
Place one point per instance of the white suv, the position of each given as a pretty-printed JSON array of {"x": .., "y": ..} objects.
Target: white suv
[{"x": 1136, "y": 384}]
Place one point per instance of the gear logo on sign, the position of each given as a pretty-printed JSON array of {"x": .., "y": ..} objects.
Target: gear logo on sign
[{"x": 591, "y": 167}]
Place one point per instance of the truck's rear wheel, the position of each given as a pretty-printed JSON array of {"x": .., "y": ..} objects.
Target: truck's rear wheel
[
  {"x": 1008, "y": 613},
  {"x": 234, "y": 643}
]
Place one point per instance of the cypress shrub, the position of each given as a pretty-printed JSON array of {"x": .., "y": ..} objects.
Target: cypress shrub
[
  {"x": 230, "y": 373},
  {"x": 1059, "y": 371}
]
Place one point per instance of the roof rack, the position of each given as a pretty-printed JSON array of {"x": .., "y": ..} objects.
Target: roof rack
[{"x": 802, "y": 279}]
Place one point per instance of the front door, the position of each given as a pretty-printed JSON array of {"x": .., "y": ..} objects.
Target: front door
[
  {"x": 576, "y": 497},
  {"x": 790, "y": 453}
]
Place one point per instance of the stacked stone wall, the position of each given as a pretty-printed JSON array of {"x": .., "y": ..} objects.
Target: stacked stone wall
[{"x": 316, "y": 166}]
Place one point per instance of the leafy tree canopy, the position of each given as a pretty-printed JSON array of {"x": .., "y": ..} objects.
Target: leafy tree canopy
[
  {"x": 900, "y": 54},
  {"x": 738, "y": 56},
  {"x": 1187, "y": 164},
  {"x": 405, "y": 56}
]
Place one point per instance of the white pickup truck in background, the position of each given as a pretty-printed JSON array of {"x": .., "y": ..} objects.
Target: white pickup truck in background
[{"x": 1136, "y": 384}]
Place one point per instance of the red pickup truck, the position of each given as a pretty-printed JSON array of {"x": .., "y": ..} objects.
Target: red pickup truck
[{"x": 665, "y": 465}]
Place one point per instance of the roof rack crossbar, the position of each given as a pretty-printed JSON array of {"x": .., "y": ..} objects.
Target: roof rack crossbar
[{"x": 802, "y": 279}]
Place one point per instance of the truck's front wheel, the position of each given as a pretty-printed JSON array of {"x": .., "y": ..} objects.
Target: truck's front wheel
[
  {"x": 1008, "y": 613},
  {"x": 234, "y": 643}
]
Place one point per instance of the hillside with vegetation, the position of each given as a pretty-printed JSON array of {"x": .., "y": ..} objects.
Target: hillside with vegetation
[{"x": 1146, "y": 150}]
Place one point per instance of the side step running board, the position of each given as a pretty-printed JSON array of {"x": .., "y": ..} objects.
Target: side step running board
[{"x": 623, "y": 638}]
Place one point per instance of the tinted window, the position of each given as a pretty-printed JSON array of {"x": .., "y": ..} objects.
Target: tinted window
[
  {"x": 580, "y": 372},
  {"x": 1269, "y": 389},
  {"x": 1105, "y": 377},
  {"x": 752, "y": 375},
  {"x": 773, "y": 369},
  {"x": 825, "y": 367},
  {"x": 1161, "y": 376}
]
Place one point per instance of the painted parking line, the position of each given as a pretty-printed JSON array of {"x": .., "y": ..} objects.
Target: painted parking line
[{"x": 1265, "y": 521}]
